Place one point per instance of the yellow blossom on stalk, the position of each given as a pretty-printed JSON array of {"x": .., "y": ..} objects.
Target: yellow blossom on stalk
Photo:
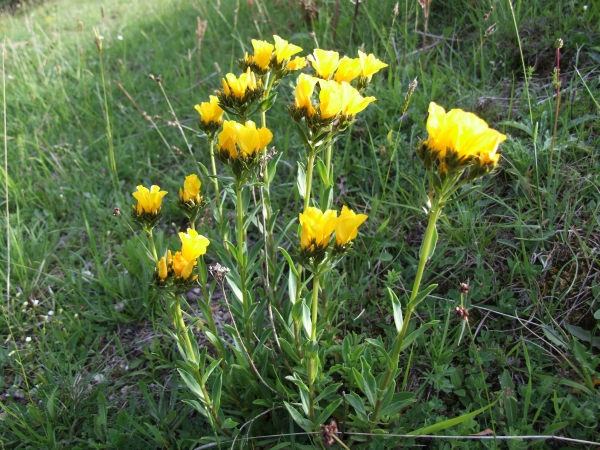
[
  {"x": 347, "y": 226},
  {"x": 162, "y": 269},
  {"x": 210, "y": 112},
  {"x": 324, "y": 62},
  {"x": 227, "y": 139},
  {"x": 193, "y": 244},
  {"x": 284, "y": 50},
  {"x": 296, "y": 64},
  {"x": 347, "y": 70},
  {"x": 330, "y": 99},
  {"x": 369, "y": 64},
  {"x": 191, "y": 189},
  {"x": 149, "y": 201},
  {"x": 317, "y": 227},
  {"x": 304, "y": 91},
  {"x": 262, "y": 53},
  {"x": 461, "y": 133},
  {"x": 182, "y": 267},
  {"x": 238, "y": 86},
  {"x": 352, "y": 101},
  {"x": 251, "y": 140}
]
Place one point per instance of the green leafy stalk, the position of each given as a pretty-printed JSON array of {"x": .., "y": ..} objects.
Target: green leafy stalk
[
  {"x": 241, "y": 258},
  {"x": 312, "y": 363},
  {"x": 211, "y": 142}
]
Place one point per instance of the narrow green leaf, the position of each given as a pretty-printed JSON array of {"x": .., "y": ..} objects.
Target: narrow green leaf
[
  {"x": 291, "y": 264},
  {"x": 306, "y": 322},
  {"x": 305, "y": 424},
  {"x": 418, "y": 332},
  {"x": 328, "y": 411},
  {"x": 397, "y": 307},
  {"x": 421, "y": 296}
]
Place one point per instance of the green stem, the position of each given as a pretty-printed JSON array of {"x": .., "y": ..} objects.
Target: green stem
[
  {"x": 152, "y": 246},
  {"x": 241, "y": 259},
  {"x": 309, "y": 176},
  {"x": 215, "y": 180},
  {"x": 427, "y": 243},
  {"x": 328, "y": 164},
  {"x": 183, "y": 330},
  {"x": 313, "y": 338}
]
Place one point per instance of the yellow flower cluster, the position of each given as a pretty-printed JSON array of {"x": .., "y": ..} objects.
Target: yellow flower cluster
[
  {"x": 243, "y": 141},
  {"x": 211, "y": 115},
  {"x": 181, "y": 265},
  {"x": 318, "y": 226},
  {"x": 273, "y": 57},
  {"x": 240, "y": 87},
  {"x": 327, "y": 63},
  {"x": 149, "y": 200},
  {"x": 458, "y": 138}
]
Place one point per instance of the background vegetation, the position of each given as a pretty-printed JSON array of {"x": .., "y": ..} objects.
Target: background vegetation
[{"x": 84, "y": 364}]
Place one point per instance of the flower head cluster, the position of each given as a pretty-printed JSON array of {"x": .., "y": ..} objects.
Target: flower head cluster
[
  {"x": 239, "y": 93},
  {"x": 179, "y": 267},
  {"x": 239, "y": 144},
  {"x": 210, "y": 115},
  {"x": 276, "y": 57},
  {"x": 190, "y": 201},
  {"x": 318, "y": 226},
  {"x": 149, "y": 204},
  {"x": 458, "y": 139},
  {"x": 327, "y": 65}
]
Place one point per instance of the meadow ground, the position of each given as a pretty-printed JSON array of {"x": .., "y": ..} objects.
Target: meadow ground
[{"x": 84, "y": 361}]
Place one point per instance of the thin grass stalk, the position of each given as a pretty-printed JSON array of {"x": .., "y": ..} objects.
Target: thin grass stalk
[
  {"x": 241, "y": 258},
  {"x": 211, "y": 143},
  {"x": 559, "y": 44},
  {"x": 8, "y": 302}
]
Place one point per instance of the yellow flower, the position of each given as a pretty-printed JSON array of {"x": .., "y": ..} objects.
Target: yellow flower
[
  {"x": 284, "y": 50},
  {"x": 238, "y": 86},
  {"x": 369, "y": 65},
  {"x": 352, "y": 101},
  {"x": 193, "y": 244},
  {"x": 210, "y": 112},
  {"x": 227, "y": 139},
  {"x": 191, "y": 189},
  {"x": 347, "y": 226},
  {"x": 149, "y": 201},
  {"x": 324, "y": 62},
  {"x": 162, "y": 269},
  {"x": 317, "y": 227},
  {"x": 250, "y": 140},
  {"x": 262, "y": 53},
  {"x": 296, "y": 64},
  {"x": 330, "y": 99},
  {"x": 462, "y": 133},
  {"x": 347, "y": 70},
  {"x": 182, "y": 267},
  {"x": 304, "y": 91}
]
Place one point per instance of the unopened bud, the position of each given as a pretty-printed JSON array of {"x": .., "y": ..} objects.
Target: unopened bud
[
  {"x": 558, "y": 43},
  {"x": 464, "y": 288}
]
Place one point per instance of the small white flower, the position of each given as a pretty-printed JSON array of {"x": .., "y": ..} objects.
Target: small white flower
[
  {"x": 12, "y": 353},
  {"x": 119, "y": 37},
  {"x": 28, "y": 339},
  {"x": 50, "y": 313},
  {"x": 35, "y": 303},
  {"x": 101, "y": 37},
  {"x": 25, "y": 303},
  {"x": 75, "y": 316},
  {"x": 585, "y": 7},
  {"x": 60, "y": 310}
]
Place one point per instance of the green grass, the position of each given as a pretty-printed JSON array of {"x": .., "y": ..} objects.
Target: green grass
[{"x": 99, "y": 372}]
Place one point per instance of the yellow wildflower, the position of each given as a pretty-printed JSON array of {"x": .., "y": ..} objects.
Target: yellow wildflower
[
  {"x": 193, "y": 244},
  {"x": 304, "y": 91},
  {"x": 149, "y": 201},
  {"x": 162, "y": 269},
  {"x": 210, "y": 112},
  {"x": 297, "y": 63},
  {"x": 250, "y": 140},
  {"x": 227, "y": 139},
  {"x": 238, "y": 86},
  {"x": 347, "y": 70},
  {"x": 284, "y": 50},
  {"x": 182, "y": 267},
  {"x": 352, "y": 101},
  {"x": 317, "y": 227},
  {"x": 191, "y": 189},
  {"x": 324, "y": 62},
  {"x": 347, "y": 226},
  {"x": 330, "y": 99},
  {"x": 462, "y": 133},
  {"x": 262, "y": 53},
  {"x": 369, "y": 64}
]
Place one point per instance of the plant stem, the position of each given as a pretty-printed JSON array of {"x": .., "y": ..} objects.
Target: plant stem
[
  {"x": 309, "y": 176},
  {"x": 241, "y": 260},
  {"x": 211, "y": 142},
  {"x": 427, "y": 243},
  {"x": 313, "y": 337},
  {"x": 151, "y": 238},
  {"x": 183, "y": 330}
]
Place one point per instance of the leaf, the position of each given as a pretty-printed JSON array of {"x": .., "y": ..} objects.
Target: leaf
[
  {"x": 322, "y": 172},
  {"x": 357, "y": 403},
  {"x": 398, "y": 318},
  {"x": 328, "y": 391},
  {"x": 305, "y": 424},
  {"x": 510, "y": 403},
  {"x": 432, "y": 244},
  {"x": 287, "y": 256},
  {"x": 518, "y": 126},
  {"x": 381, "y": 349},
  {"x": 370, "y": 386},
  {"x": 213, "y": 365},
  {"x": 399, "y": 401},
  {"x": 421, "y": 296},
  {"x": 417, "y": 333},
  {"x": 328, "y": 411},
  {"x": 306, "y": 320},
  {"x": 451, "y": 422},
  {"x": 301, "y": 180},
  {"x": 192, "y": 384},
  {"x": 216, "y": 391}
]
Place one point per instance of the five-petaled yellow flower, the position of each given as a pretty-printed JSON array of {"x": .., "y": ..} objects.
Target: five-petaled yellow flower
[
  {"x": 369, "y": 64},
  {"x": 238, "y": 86},
  {"x": 193, "y": 244},
  {"x": 191, "y": 189},
  {"x": 317, "y": 227},
  {"x": 284, "y": 50},
  {"x": 262, "y": 53},
  {"x": 324, "y": 62},
  {"x": 330, "y": 99},
  {"x": 462, "y": 133},
  {"x": 149, "y": 201},
  {"x": 347, "y": 70},
  {"x": 347, "y": 226},
  {"x": 210, "y": 112},
  {"x": 352, "y": 101}
]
